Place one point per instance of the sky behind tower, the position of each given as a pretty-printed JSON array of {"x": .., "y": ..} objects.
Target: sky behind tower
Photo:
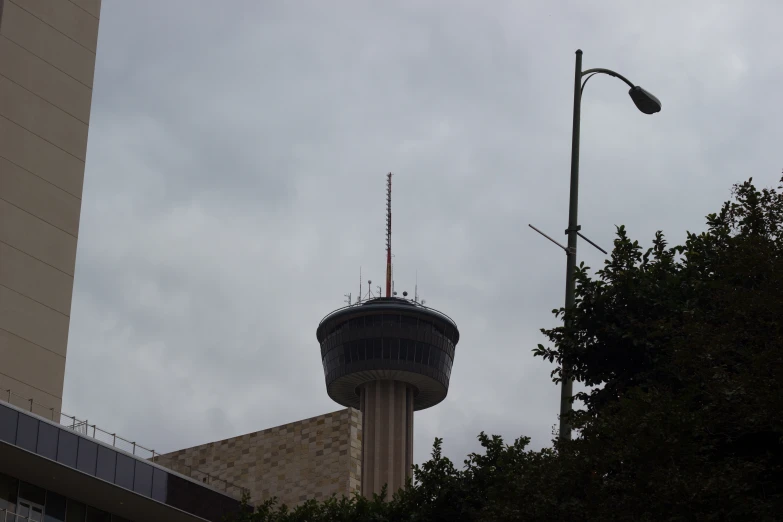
[{"x": 235, "y": 186}]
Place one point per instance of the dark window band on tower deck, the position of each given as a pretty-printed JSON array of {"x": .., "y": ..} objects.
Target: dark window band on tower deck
[{"x": 427, "y": 358}]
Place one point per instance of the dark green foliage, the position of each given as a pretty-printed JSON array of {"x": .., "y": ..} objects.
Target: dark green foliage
[{"x": 683, "y": 350}]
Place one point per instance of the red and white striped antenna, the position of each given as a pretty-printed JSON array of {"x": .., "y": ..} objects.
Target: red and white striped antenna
[{"x": 388, "y": 236}]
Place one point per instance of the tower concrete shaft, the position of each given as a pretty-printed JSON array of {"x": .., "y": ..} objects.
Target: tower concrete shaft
[{"x": 387, "y": 435}]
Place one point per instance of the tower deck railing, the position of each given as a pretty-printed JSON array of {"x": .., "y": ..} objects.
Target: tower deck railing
[
  {"x": 84, "y": 427},
  {"x": 407, "y": 301}
]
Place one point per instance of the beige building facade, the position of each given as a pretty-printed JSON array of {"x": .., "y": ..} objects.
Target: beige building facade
[
  {"x": 309, "y": 459},
  {"x": 47, "y": 62}
]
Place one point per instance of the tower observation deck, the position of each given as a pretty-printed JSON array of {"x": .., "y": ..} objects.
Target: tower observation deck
[{"x": 388, "y": 357}]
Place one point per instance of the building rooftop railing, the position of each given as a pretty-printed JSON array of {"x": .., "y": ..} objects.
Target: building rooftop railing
[
  {"x": 10, "y": 516},
  {"x": 417, "y": 304},
  {"x": 91, "y": 430}
]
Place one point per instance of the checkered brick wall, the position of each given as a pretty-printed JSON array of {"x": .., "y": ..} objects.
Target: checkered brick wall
[{"x": 311, "y": 458}]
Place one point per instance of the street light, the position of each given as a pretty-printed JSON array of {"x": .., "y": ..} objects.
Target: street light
[
  {"x": 645, "y": 101},
  {"x": 648, "y": 104}
]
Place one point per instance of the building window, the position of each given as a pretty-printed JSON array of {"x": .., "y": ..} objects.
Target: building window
[
  {"x": 55, "y": 507},
  {"x": 8, "y": 421},
  {"x": 394, "y": 344},
  {"x": 28, "y": 511},
  {"x": 87, "y": 456},
  {"x": 142, "y": 482},
  {"x": 411, "y": 352},
  {"x": 66, "y": 448},
  {"x": 124, "y": 472},
  {"x": 47, "y": 440},
  {"x": 27, "y": 433},
  {"x": 434, "y": 357},
  {"x": 31, "y": 502},
  {"x": 159, "y": 485},
  {"x": 75, "y": 511},
  {"x": 8, "y": 489}
]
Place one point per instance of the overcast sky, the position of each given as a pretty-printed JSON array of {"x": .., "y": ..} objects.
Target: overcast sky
[{"x": 235, "y": 185}]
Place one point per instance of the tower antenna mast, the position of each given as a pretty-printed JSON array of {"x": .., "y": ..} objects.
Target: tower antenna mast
[{"x": 388, "y": 235}]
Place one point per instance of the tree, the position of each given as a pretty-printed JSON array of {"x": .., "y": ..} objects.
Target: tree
[{"x": 682, "y": 348}]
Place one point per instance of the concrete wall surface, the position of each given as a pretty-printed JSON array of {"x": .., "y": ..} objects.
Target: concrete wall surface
[{"x": 310, "y": 458}]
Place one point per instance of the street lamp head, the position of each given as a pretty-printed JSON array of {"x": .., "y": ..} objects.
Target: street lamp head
[{"x": 645, "y": 102}]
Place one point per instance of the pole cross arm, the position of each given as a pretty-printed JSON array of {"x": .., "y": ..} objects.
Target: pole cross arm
[
  {"x": 596, "y": 246},
  {"x": 567, "y": 250}
]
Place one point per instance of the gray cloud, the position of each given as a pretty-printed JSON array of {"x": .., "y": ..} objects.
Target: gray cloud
[{"x": 234, "y": 187}]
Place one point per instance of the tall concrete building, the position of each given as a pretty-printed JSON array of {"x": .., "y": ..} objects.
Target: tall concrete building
[
  {"x": 47, "y": 61},
  {"x": 53, "y": 468}
]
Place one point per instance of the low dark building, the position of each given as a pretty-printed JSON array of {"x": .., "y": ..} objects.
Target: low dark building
[{"x": 53, "y": 473}]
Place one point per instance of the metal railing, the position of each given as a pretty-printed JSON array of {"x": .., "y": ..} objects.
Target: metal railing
[
  {"x": 416, "y": 304},
  {"x": 91, "y": 430},
  {"x": 10, "y": 516}
]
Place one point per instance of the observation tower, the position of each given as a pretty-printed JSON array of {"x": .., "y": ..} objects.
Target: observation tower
[{"x": 387, "y": 356}]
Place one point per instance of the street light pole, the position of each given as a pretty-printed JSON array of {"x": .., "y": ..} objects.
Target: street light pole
[
  {"x": 566, "y": 391},
  {"x": 646, "y": 103}
]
